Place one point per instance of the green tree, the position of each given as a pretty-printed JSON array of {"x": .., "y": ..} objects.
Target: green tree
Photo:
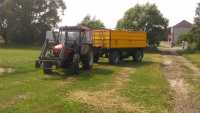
[
  {"x": 92, "y": 23},
  {"x": 147, "y": 18},
  {"x": 197, "y": 18},
  {"x": 193, "y": 37},
  {"x": 25, "y": 21},
  {"x": 3, "y": 21}
]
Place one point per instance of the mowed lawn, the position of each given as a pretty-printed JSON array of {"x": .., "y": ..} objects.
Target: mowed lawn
[
  {"x": 130, "y": 87},
  {"x": 193, "y": 57},
  {"x": 192, "y": 78}
]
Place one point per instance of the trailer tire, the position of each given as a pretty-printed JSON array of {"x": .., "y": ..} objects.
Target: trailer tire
[
  {"x": 96, "y": 55},
  {"x": 114, "y": 58},
  {"x": 75, "y": 64},
  {"x": 96, "y": 59},
  {"x": 88, "y": 61},
  {"x": 47, "y": 68},
  {"x": 138, "y": 56}
]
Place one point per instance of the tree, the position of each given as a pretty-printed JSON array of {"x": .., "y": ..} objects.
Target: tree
[
  {"x": 197, "y": 18},
  {"x": 146, "y": 18},
  {"x": 3, "y": 22},
  {"x": 92, "y": 23},
  {"x": 193, "y": 37},
  {"x": 25, "y": 21}
]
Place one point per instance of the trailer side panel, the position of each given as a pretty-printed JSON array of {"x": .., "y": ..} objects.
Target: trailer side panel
[{"x": 115, "y": 39}]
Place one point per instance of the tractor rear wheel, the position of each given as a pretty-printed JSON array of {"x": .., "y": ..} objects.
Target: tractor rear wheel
[
  {"x": 138, "y": 56},
  {"x": 75, "y": 64},
  {"x": 88, "y": 61},
  {"x": 114, "y": 58},
  {"x": 47, "y": 68}
]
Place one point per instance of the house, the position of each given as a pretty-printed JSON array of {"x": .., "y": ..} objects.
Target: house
[{"x": 178, "y": 29}]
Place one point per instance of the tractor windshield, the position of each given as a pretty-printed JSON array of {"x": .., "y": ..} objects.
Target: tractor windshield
[
  {"x": 62, "y": 37},
  {"x": 70, "y": 37},
  {"x": 73, "y": 36}
]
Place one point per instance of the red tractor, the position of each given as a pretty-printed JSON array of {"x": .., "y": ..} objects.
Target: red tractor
[{"x": 71, "y": 48}]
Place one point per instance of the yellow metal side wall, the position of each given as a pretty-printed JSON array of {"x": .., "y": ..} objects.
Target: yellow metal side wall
[
  {"x": 123, "y": 39},
  {"x": 101, "y": 38},
  {"x": 119, "y": 39}
]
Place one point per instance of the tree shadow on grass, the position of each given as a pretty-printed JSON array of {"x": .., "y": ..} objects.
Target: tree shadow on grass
[
  {"x": 16, "y": 72},
  {"x": 152, "y": 50},
  {"x": 103, "y": 68},
  {"x": 86, "y": 74},
  {"x": 128, "y": 63}
]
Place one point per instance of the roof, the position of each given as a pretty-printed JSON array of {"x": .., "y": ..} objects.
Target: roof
[{"x": 183, "y": 23}]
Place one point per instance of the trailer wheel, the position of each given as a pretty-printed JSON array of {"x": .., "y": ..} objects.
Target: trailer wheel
[
  {"x": 114, "y": 58},
  {"x": 96, "y": 55},
  {"x": 96, "y": 59},
  {"x": 88, "y": 61},
  {"x": 47, "y": 68},
  {"x": 75, "y": 64},
  {"x": 138, "y": 56}
]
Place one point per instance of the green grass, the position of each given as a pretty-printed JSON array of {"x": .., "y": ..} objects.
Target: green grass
[
  {"x": 149, "y": 87},
  {"x": 27, "y": 90},
  {"x": 193, "y": 80},
  {"x": 193, "y": 57}
]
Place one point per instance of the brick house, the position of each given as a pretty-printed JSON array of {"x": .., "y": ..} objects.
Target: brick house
[{"x": 178, "y": 29}]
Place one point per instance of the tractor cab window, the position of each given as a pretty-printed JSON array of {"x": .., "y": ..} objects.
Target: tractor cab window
[
  {"x": 73, "y": 37},
  {"x": 62, "y": 37},
  {"x": 86, "y": 37}
]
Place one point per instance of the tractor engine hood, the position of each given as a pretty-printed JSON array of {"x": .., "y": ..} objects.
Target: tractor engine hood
[
  {"x": 57, "y": 49},
  {"x": 59, "y": 46}
]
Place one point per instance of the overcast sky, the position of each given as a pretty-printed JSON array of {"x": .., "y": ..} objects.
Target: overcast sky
[{"x": 110, "y": 11}]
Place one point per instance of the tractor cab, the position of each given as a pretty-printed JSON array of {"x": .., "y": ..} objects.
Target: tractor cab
[{"x": 66, "y": 49}]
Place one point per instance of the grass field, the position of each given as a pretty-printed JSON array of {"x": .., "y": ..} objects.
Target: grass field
[
  {"x": 130, "y": 87},
  {"x": 193, "y": 57},
  {"x": 193, "y": 80}
]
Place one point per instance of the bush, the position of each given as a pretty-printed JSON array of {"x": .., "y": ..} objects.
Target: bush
[{"x": 192, "y": 37}]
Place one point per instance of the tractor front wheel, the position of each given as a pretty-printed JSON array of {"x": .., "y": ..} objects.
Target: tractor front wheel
[
  {"x": 75, "y": 64},
  {"x": 37, "y": 64},
  {"x": 88, "y": 61},
  {"x": 47, "y": 68}
]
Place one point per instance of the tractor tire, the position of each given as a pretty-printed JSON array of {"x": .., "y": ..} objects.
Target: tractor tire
[
  {"x": 88, "y": 61},
  {"x": 96, "y": 59},
  {"x": 47, "y": 68},
  {"x": 138, "y": 56},
  {"x": 75, "y": 64},
  {"x": 37, "y": 64},
  {"x": 114, "y": 58}
]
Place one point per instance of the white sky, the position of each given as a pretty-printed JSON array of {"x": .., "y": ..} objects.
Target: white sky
[{"x": 110, "y": 11}]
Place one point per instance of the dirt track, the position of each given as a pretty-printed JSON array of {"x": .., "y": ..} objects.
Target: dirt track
[
  {"x": 173, "y": 67},
  {"x": 108, "y": 100}
]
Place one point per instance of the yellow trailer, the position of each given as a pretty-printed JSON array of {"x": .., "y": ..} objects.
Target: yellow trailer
[{"x": 118, "y": 44}]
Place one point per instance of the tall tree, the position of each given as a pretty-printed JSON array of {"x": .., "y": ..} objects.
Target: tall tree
[
  {"x": 196, "y": 29},
  {"x": 193, "y": 37},
  {"x": 92, "y": 23},
  {"x": 147, "y": 18},
  {"x": 25, "y": 21},
  {"x": 3, "y": 21},
  {"x": 197, "y": 13}
]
